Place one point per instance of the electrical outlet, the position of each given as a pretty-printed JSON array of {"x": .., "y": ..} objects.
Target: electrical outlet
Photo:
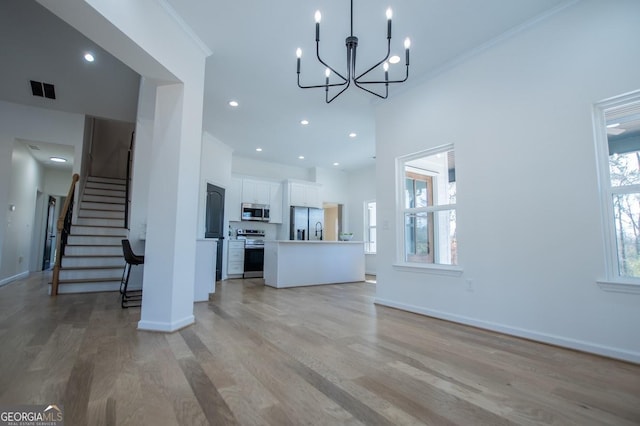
[
  {"x": 469, "y": 285},
  {"x": 20, "y": 259}
]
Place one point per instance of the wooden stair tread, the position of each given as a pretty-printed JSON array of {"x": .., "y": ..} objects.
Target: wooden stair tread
[
  {"x": 88, "y": 280},
  {"x": 76, "y": 256},
  {"x": 99, "y": 226},
  {"x": 88, "y": 268}
]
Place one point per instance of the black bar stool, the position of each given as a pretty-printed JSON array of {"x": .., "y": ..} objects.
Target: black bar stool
[{"x": 130, "y": 298}]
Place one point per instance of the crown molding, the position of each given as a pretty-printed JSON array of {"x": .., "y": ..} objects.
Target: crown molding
[{"x": 185, "y": 27}]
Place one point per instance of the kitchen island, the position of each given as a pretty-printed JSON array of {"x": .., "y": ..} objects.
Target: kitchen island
[{"x": 304, "y": 263}]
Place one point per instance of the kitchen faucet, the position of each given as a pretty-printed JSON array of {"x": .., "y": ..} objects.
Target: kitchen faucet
[{"x": 319, "y": 223}]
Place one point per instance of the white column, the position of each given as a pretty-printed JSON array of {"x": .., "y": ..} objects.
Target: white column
[{"x": 147, "y": 37}]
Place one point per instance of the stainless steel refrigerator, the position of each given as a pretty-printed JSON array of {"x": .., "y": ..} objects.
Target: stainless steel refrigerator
[{"x": 306, "y": 224}]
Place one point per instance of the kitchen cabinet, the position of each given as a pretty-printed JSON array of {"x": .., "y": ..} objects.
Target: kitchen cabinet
[
  {"x": 235, "y": 259},
  {"x": 304, "y": 195},
  {"x": 234, "y": 200},
  {"x": 275, "y": 203},
  {"x": 255, "y": 191}
]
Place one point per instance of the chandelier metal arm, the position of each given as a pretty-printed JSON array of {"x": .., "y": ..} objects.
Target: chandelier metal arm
[
  {"x": 337, "y": 94},
  {"x": 330, "y": 67},
  {"x": 318, "y": 86},
  {"x": 386, "y": 90},
  {"x": 377, "y": 64},
  {"x": 358, "y": 83}
]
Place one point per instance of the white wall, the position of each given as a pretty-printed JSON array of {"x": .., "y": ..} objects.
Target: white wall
[
  {"x": 215, "y": 168},
  {"x": 35, "y": 124},
  {"x": 529, "y": 222},
  {"x": 251, "y": 167},
  {"x": 110, "y": 147},
  {"x": 26, "y": 178},
  {"x": 334, "y": 184},
  {"x": 57, "y": 182},
  {"x": 362, "y": 188}
]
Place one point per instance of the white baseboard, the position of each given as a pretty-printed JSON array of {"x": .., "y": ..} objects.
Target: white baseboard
[
  {"x": 579, "y": 345},
  {"x": 166, "y": 327},
  {"x": 19, "y": 276}
]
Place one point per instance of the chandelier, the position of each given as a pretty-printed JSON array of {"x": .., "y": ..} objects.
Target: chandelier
[{"x": 351, "y": 76}]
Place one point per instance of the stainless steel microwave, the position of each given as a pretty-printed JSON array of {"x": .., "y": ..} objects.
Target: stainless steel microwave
[{"x": 256, "y": 212}]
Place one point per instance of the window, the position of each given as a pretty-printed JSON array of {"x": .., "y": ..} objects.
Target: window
[
  {"x": 618, "y": 142},
  {"x": 427, "y": 183},
  {"x": 370, "y": 226}
]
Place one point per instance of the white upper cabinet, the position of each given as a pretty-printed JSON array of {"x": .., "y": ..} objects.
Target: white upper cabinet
[
  {"x": 255, "y": 191},
  {"x": 304, "y": 195}
]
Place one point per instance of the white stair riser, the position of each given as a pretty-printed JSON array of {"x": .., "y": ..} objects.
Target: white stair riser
[
  {"x": 93, "y": 179},
  {"x": 102, "y": 206},
  {"x": 103, "y": 199},
  {"x": 93, "y": 250},
  {"x": 101, "y": 214},
  {"x": 105, "y": 192},
  {"x": 105, "y": 185},
  {"x": 98, "y": 230},
  {"x": 90, "y": 287},
  {"x": 92, "y": 261},
  {"x": 94, "y": 221},
  {"x": 91, "y": 187},
  {"x": 84, "y": 240},
  {"x": 75, "y": 274}
]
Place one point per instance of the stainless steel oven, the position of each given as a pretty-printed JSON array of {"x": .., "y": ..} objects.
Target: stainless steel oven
[{"x": 253, "y": 252}]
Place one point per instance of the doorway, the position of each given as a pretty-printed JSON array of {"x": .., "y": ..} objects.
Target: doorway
[
  {"x": 49, "y": 234},
  {"x": 214, "y": 222},
  {"x": 332, "y": 221}
]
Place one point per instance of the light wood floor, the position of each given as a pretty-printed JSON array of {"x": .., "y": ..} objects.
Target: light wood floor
[{"x": 315, "y": 355}]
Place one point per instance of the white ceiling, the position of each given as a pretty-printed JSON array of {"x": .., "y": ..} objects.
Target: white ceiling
[{"x": 253, "y": 62}]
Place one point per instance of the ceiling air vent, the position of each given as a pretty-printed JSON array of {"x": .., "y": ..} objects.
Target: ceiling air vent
[
  {"x": 45, "y": 90},
  {"x": 34, "y": 147}
]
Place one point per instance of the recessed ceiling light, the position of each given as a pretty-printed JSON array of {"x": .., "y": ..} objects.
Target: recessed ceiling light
[
  {"x": 352, "y": 135},
  {"x": 612, "y": 125},
  {"x": 88, "y": 57},
  {"x": 336, "y": 164},
  {"x": 58, "y": 160},
  {"x": 394, "y": 59},
  {"x": 233, "y": 103},
  {"x": 304, "y": 122},
  {"x": 301, "y": 157},
  {"x": 259, "y": 149}
]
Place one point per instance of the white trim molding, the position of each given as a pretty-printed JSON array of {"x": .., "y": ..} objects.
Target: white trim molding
[
  {"x": 551, "y": 339},
  {"x": 165, "y": 326},
  {"x": 619, "y": 287},
  {"x": 13, "y": 278}
]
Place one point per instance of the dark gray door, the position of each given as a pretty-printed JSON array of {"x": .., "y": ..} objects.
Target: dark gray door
[
  {"x": 214, "y": 222},
  {"x": 49, "y": 234}
]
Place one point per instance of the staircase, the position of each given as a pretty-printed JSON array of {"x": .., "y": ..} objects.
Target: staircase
[{"x": 93, "y": 259}]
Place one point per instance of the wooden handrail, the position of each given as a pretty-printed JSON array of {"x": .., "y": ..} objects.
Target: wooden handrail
[{"x": 68, "y": 203}]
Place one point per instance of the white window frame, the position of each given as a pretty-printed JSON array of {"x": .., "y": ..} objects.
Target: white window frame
[
  {"x": 368, "y": 226},
  {"x": 613, "y": 280},
  {"x": 401, "y": 263}
]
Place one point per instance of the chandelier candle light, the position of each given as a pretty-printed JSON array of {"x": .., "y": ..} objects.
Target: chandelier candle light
[{"x": 352, "y": 44}]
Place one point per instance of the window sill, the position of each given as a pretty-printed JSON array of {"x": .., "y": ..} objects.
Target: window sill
[
  {"x": 452, "y": 271},
  {"x": 619, "y": 287}
]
